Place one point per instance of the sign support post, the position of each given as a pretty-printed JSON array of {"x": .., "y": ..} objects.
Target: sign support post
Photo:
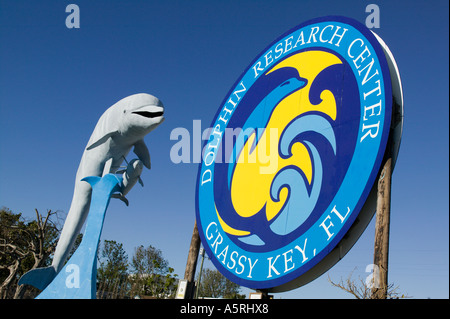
[
  {"x": 191, "y": 263},
  {"x": 381, "y": 249},
  {"x": 202, "y": 253}
]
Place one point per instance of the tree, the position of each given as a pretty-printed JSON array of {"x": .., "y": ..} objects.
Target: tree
[
  {"x": 152, "y": 275},
  {"x": 112, "y": 274},
  {"x": 24, "y": 245},
  {"x": 214, "y": 285},
  {"x": 362, "y": 290}
]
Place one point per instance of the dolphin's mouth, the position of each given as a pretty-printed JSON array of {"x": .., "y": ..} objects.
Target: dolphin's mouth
[{"x": 149, "y": 114}]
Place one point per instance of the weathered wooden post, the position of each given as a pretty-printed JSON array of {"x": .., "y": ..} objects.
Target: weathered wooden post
[
  {"x": 381, "y": 249},
  {"x": 191, "y": 263}
]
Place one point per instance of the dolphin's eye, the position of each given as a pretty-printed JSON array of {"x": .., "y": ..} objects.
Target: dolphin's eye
[
  {"x": 124, "y": 111},
  {"x": 285, "y": 83}
]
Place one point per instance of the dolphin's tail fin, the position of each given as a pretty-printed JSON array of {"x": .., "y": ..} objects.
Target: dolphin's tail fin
[
  {"x": 39, "y": 277},
  {"x": 92, "y": 180}
]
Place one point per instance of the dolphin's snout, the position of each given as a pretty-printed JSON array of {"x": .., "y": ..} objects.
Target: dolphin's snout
[
  {"x": 150, "y": 111},
  {"x": 149, "y": 114}
]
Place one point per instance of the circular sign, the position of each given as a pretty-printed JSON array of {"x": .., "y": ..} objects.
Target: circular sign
[{"x": 293, "y": 153}]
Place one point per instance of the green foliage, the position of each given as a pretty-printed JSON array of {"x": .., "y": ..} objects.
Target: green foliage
[
  {"x": 149, "y": 277},
  {"x": 214, "y": 285},
  {"x": 152, "y": 275},
  {"x": 112, "y": 274}
]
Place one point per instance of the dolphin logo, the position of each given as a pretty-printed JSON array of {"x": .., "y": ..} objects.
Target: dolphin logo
[
  {"x": 121, "y": 127},
  {"x": 252, "y": 116}
]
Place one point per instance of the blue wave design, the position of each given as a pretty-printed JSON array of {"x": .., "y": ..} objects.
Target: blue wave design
[
  {"x": 327, "y": 145},
  {"x": 302, "y": 198}
]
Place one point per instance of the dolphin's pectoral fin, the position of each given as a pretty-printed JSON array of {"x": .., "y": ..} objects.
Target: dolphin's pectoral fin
[
  {"x": 141, "y": 150},
  {"x": 102, "y": 140},
  {"x": 121, "y": 197}
]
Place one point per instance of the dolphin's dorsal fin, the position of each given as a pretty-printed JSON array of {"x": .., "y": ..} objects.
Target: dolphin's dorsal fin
[
  {"x": 102, "y": 140},
  {"x": 141, "y": 150}
]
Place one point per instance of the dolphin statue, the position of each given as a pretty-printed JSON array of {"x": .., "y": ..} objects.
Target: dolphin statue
[
  {"x": 131, "y": 175},
  {"x": 121, "y": 127}
]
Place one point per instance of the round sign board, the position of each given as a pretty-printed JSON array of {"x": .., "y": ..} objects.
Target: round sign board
[{"x": 293, "y": 154}]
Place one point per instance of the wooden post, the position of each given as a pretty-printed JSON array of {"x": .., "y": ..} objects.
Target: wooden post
[
  {"x": 202, "y": 253},
  {"x": 381, "y": 250},
  {"x": 191, "y": 264}
]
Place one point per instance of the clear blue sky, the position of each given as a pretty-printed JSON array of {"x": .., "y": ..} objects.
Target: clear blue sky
[{"x": 55, "y": 83}]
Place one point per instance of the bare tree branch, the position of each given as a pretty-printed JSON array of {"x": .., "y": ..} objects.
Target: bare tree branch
[
  {"x": 362, "y": 290},
  {"x": 22, "y": 244}
]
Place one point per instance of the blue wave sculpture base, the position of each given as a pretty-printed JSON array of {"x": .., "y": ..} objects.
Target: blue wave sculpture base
[{"x": 78, "y": 278}]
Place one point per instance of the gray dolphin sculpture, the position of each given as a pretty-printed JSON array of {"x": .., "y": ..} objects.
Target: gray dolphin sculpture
[{"x": 121, "y": 127}]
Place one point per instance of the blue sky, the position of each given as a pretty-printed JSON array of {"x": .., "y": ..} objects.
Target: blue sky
[{"x": 55, "y": 83}]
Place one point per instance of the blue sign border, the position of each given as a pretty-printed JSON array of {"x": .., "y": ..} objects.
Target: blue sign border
[{"x": 356, "y": 210}]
